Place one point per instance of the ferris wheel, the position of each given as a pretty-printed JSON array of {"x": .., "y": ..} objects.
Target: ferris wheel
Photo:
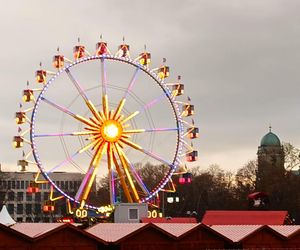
[{"x": 105, "y": 114}]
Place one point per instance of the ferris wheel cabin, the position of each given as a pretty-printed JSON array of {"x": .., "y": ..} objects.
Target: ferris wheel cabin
[
  {"x": 145, "y": 58},
  {"x": 58, "y": 61},
  {"x": 32, "y": 188},
  {"x": 23, "y": 165},
  {"x": 40, "y": 76},
  {"x": 191, "y": 156},
  {"x": 78, "y": 52},
  {"x": 163, "y": 72},
  {"x": 178, "y": 89},
  {"x": 28, "y": 95},
  {"x": 188, "y": 110},
  {"x": 101, "y": 48},
  {"x": 193, "y": 133},
  {"x": 20, "y": 117},
  {"x": 18, "y": 142},
  {"x": 124, "y": 48}
]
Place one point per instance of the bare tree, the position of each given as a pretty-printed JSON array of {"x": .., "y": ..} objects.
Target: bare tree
[
  {"x": 246, "y": 176},
  {"x": 291, "y": 156}
]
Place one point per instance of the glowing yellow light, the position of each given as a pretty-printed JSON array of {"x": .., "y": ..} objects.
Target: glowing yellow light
[{"x": 111, "y": 130}]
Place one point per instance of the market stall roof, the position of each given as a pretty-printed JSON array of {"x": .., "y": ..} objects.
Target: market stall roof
[{"x": 244, "y": 217}]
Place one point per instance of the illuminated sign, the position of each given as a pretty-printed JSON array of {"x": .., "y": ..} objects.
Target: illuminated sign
[
  {"x": 154, "y": 214},
  {"x": 81, "y": 213}
]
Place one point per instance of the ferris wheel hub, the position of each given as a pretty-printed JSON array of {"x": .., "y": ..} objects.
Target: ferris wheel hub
[{"x": 111, "y": 130}]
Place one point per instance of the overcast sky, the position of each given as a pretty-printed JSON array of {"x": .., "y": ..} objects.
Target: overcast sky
[{"x": 239, "y": 61}]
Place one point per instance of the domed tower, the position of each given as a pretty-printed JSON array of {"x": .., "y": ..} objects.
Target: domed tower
[{"x": 270, "y": 159}]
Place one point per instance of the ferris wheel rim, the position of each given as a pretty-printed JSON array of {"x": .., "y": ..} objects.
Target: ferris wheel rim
[{"x": 154, "y": 76}]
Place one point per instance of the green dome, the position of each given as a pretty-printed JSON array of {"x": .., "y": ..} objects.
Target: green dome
[{"x": 270, "y": 139}]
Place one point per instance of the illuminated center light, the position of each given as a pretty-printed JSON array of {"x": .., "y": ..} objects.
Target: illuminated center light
[{"x": 111, "y": 130}]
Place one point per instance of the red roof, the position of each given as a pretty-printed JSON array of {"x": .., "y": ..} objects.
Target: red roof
[
  {"x": 236, "y": 232},
  {"x": 286, "y": 230},
  {"x": 112, "y": 232},
  {"x": 244, "y": 217},
  {"x": 176, "y": 229},
  {"x": 170, "y": 220},
  {"x": 35, "y": 229}
]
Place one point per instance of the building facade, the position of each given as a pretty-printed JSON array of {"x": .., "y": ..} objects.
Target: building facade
[{"x": 24, "y": 206}]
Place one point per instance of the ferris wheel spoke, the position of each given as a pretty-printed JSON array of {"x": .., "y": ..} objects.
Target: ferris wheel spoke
[
  {"x": 135, "y": 174},
  {"x": 129, "y": 117},
  {"x": 67, "y": 111},
  {"x": 105, "y": 107},
  {"x": 122, "y": 178},
  {"x": 152, "y": 102},
  {"x": 94, "y": 111},
  {"x": 103, "y": 77},
  {"x": 130, "y": 143},
  {"x": 86, "y": 184},
  {"x": 112, "y": 193},
  {"x": 88, "y": 102},
  {"x": 156, "y": 157},
  {"x": 65, "y": 134},
  {"x": 119, "y": 108},
  {"x": 152, "y": 155},
  {"x": 132, "y": 82},
  {"x": 77, "y": 85},
  {"x": 136, "y": 131},
  {"x": 69, "y": 159},
  {"x": 125, "y": 168}
]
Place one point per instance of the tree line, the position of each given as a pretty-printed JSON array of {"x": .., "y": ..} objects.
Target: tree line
[{"x": 217, "y": 189}]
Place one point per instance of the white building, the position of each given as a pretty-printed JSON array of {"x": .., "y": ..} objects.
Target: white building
[{"x": 24, "y": 206}]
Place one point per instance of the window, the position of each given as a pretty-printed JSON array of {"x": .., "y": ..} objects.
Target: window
[
  {"x": 20, "y": 219},
  {"x": 38, "y": 196},
  {"x": 20, "y": 209},
  {"x": 44, "y": 186},
  {"x": 11, "y": 196},
  {"x": 37, "y": 219},
  {"x": 28, "y": 197},
  {"x": 38, "y": 209},
  {"x": 62, "y": 185},
  {"x": 26, "y": 184},
  {"x": 46, "y": 196},
  {"x": 29, "y": 219},
  {"x": 71, "y": 184},
  {"x": 2, "y": 196},
  {"x": 13, "y": 184},
  {"x": 66, "y": 185},
  {"x": 133, "y": 213},
  {"x": 18, "y": 184},
  {"x": 20, "y": 196},
  {"x": 22, "y": 184},
  {"x": 4, "y": 184},
  {"x": 10, "y": 208},
  {"x": 9, "y": 184},
  {"x": 28, "y": 209}
]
